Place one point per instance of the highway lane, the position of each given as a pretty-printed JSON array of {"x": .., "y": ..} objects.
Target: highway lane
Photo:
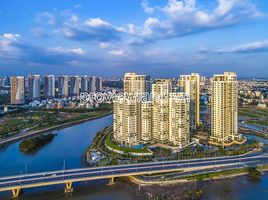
[
  {"x": 70, "y": 171},
  {"x": 94, "y": 175},
  {"x": 114, "y": 171},
  {"x": 66, "y": 172}
]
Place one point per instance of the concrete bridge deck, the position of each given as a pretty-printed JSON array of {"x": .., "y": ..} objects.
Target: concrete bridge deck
[{"x": 67, "y": 177}]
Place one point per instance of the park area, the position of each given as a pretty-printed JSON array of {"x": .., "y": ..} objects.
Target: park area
[
  {"x": 113, "y": 145},
  {"x": 24, "y": 120},
  {"x": 254, "y": 116}
]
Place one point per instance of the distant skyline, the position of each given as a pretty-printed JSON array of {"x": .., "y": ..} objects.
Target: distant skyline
[{"x": 162, "y": 38}]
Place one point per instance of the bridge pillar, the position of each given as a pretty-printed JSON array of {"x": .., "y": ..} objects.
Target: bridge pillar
[
  {"x": 111, "y": 182},
  {"x": 16, "y": 193},
  {"x": 68, "y": 187}
]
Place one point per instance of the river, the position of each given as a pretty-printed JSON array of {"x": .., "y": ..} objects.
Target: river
[{"x": 70, "y": 143}]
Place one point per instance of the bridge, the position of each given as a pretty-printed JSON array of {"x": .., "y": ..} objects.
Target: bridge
[{"x": 68, "y": 177}]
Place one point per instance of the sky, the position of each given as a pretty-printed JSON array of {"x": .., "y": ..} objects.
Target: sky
[{"x": 162, "y": 38}]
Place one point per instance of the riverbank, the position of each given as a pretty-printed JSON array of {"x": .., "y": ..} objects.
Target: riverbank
[
  {"x": 247, "y": 131},
  {"x": 238, "y": 188},
  {"x": 4, "y": 141},
  {"x": 197, "y": 177}
]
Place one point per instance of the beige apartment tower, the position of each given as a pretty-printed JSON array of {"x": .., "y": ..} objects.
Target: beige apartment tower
[
  {"x": 160, "y": 92},
  {"x": 190, "y": 84},
  {"x": 17, "y": 90},
  {"x": 127, "y": 112},
  {"x": 224, "y": 109},
  {"x": 126, "y": 124},
  {"x": 136, "y": 83},
  {"x": 179, "y": 120},
  {"x": 162, "y": 119},
  {"x": 146, "y": 121}
]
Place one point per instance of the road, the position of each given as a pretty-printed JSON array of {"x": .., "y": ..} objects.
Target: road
[{"x": 83, "y": 174}]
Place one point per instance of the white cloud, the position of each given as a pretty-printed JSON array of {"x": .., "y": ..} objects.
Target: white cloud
[
  {"x": 96, "y": 22},
  {"x": 117, "y": 52},
  {"x": 59, "y": 49},
  {"x": 184, "y": 17},
  {"x": 77, "y": 51},
  {"x": 39, "y": 32},
  {"x": 74, "y": 18},
  {"x": 12, "y": 46},
  {"x": 147, "y": 29},
  {"x": 253, "y": 47},
  {"x": 176, "y": 18},
  {"x": 146, "y": 7},
  {"x": 105, "y": 45},
  {"x": 93, "y": 29},
  {"x": 8, "y": 45},
  {"x": 12, "y": 37},
  {"x": 48, "y": 17},
  {"x": 178, "y": 8}
]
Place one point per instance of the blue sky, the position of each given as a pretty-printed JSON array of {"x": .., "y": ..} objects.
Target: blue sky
[{"x": 163, "y": 38}]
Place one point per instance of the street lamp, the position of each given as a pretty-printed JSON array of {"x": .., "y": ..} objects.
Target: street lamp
[
  {"x": 20, "y": 177},
  {"x": 63, "y": 164},
  {"x": 26, "y": 167}
]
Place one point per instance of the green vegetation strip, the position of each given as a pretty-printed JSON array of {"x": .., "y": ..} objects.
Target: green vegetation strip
[
  {"x": 33, "y": 144},
  {"x": 253, "y": 112},
  {"x": 211, "y": 175},
  {"x": 35, "y": 120},
  {"x": 251, "y": 170},
  {"x": 249, "y": 114},
  {"x": 115, "y": 146},
  {"x": 261, "y": 123}
]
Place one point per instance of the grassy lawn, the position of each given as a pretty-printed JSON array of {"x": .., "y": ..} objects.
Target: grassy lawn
[
  {"x": 217, "y": 174},
  {"x": 252, "y": 112},
  {"x": 261, "y": 123},
  {"x": 113, "y": 145}
]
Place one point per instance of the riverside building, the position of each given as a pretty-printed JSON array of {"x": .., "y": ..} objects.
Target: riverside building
[
  {"x": 163, "y": 119},
  {"x": 190, "y": 84},
  {"x": 224, "y": 110}
]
